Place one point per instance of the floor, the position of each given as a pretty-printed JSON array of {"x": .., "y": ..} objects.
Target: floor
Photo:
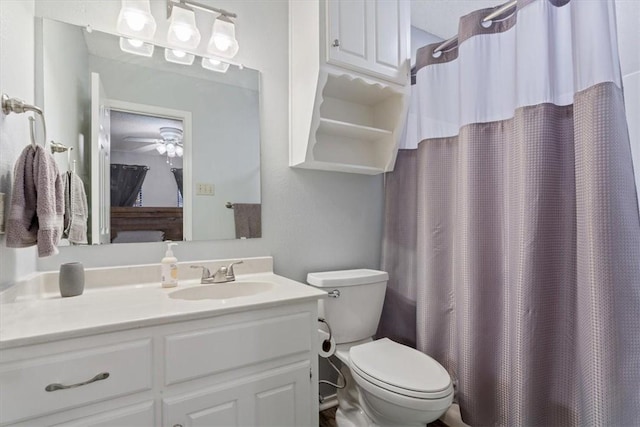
[{"x": 328, "y": 419}]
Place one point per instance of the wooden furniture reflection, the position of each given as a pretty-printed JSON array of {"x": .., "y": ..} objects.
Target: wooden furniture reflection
[{"x": 167, "y": 220}]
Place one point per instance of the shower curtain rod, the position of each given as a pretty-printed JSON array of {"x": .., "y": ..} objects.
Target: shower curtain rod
[{"x": 503, "y": 9}]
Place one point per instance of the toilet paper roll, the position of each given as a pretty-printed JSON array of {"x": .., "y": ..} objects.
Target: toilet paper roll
[{"x": 326, "y": 347}]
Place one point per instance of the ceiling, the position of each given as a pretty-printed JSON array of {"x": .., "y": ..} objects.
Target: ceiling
[
  {"x": 440, "y": 17},
  {"x": 136, "y": 125}
]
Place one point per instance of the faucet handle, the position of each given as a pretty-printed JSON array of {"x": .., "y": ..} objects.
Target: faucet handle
[
  {"x": 230, "y": 273},
  {"x": 205, "y": 271}
]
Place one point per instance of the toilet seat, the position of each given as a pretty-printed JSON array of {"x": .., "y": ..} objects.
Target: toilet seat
[{"x": 398, "y": 369}]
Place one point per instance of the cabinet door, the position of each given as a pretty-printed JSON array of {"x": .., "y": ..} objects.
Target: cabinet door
[
  {"x": 369, "y": 36},
  {"x": 280, "y": 397}
]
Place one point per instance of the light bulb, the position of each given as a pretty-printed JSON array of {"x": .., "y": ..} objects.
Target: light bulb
[
  {"x": 135, "y": 42},
  {"x": 222, "y": 42},
  {"x": 182, "y": 32},
  {"x": 171, "y": 154},
  {"x": 135, "y": 20},
  {"x": 179, "y": 151},
  {"x": 161, "y": 148},
  {"x": 179, "y": 53},
  {"x": 171, "y": 149}
]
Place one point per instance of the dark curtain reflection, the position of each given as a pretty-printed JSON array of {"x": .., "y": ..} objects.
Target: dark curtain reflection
[
  {"x": 177, "y": 174},
  {"x": 126, "y": 182}
]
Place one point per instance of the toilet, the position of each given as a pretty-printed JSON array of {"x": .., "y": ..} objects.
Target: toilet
[{"x": 387, "y": 384}]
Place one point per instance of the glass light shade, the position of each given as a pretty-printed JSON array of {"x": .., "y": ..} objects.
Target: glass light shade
[
  {"x": 172, "y": 155},
  {"x": 136, "y": 47},
  {"x": 171, "y": 149},
  {"x": 178, "y": 56},
  {"x": 135, "y": 19},
  {"x": 223, "y": 38},
  {"x": 161, "y": 148},
  {"x": 179, "y": 151},
  {"x": 183, "y": 32},
  {"x": 215, "y": 65}
]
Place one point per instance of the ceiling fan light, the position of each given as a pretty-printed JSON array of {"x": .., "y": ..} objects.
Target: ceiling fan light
[
  {"x": 179, "y": 151},
  {"x": 215, "y": 65},
  {"x": 136, "y": 47},
  {"x": 223, "y": 38},
  {"x": 183, "y": 32},
  {"x": 178, "y": 56},
  {"x": 161, "y": 148},
  {"x": 171, "y": 149},
  {"x": 135, "y": 19}
]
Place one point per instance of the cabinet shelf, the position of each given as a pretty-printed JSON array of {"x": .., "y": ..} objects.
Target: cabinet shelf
[
  {"x": 347, "y": 107},
  {"x": 351, "y": 130}
]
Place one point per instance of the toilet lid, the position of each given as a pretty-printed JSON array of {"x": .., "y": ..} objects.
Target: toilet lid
[{"x": 398, "y": 367}]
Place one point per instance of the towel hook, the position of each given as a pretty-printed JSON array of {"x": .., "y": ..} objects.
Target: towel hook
[{"x": 18, "y": 106}]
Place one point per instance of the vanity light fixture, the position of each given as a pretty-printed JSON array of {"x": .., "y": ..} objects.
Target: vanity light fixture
[
  {"x": 135, "y": 19},
  {"x": 137, "y": 47},
  {"x": 215, "y": 65},
  {"x": 178, "y": 56},
  {"x": 223, "y": 38},
  {"x": 183, "y": 32}
]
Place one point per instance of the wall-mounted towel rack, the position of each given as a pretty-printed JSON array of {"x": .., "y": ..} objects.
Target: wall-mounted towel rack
[{"x": 18, "y": 106}]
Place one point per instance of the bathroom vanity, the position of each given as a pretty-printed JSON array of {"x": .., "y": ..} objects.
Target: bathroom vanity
[{"x": 128, "y": 353}]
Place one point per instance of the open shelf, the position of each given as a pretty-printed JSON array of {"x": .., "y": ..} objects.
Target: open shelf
[
  {"x": 351, "y": 130},
  {"x": 353, "y": 125}
]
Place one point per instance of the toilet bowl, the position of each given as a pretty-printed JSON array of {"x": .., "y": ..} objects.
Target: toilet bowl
[{"x": 387, "y": 383}]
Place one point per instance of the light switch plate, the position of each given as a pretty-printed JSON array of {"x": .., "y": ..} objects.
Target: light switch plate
[{"x": 205, "y": 189}]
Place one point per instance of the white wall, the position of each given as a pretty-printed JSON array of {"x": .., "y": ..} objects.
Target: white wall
[
  {"x": 311, "y": 220},
  {"x": 225, "y": 135},
  {"x": 16, "y": 80},
  {"x": 628, "y": 16},
  {"x": 63, "y": 90},
  {"x": 420, "y": 38},
  {"x": 159, "y": 188}
]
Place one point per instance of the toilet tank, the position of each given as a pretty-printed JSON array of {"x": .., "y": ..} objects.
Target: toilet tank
[{"x": 355, "y": 301}]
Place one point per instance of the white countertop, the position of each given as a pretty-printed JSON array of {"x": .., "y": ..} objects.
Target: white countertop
[{"x": 43, "y": 316}]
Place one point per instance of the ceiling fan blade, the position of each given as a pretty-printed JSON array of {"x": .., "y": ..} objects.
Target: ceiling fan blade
[
  {"x": 143, "y": 149},
  {"x": 140, "y": 139}
]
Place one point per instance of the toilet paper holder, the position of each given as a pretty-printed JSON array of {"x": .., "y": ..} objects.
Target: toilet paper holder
[{"x": 342, "y": 380}]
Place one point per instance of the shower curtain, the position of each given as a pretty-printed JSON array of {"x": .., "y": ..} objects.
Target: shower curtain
[{"x": 512, "y": 233}]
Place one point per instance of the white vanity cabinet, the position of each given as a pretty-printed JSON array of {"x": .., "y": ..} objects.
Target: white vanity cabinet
[
  {"x": 349, "y": 83},
  {"x": 369, "y": 37},
  {"x": 257, "y": 367}
]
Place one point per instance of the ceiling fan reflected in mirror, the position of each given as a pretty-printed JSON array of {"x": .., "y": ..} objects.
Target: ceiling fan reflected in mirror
[{"x": 169, "y": 143}]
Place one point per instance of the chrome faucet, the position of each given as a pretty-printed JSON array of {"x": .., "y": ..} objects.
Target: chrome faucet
[{"x": 222, "y": 275}]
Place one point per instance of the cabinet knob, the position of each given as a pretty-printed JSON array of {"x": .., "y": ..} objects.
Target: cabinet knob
[{"x": 336, "y": 43}]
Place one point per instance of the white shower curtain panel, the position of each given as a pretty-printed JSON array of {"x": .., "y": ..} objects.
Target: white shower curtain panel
[{"x": 512, "y": 233}]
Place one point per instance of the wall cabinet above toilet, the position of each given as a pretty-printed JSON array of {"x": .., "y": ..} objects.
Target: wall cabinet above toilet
[
  {"x": 349, "y": 83},
  {"x": 369, "y": 37}
]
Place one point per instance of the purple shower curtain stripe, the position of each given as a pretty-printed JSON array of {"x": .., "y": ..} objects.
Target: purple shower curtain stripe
[{"x": 519, "y": 242}]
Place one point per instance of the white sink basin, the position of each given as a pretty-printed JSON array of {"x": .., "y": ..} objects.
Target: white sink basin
[{"x": 222, "y": 291}]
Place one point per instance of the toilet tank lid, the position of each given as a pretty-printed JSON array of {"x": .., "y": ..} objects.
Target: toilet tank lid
[{"x": 346, "y": 277}]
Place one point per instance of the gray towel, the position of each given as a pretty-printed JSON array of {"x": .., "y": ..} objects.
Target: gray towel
[
  {"x": 76, "y": 209},
  {"x": 37, "y": 203},
  {"x": 22, "y": 224},
  {"x": 248, "y": 219}
]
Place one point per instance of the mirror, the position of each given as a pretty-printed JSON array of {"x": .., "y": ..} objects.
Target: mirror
[{"x": 165, "y": 151}]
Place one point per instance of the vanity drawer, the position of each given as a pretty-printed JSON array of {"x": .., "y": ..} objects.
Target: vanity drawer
[
  {"x": 195, "y": 354},
  {"x": 35, "y": 387}
]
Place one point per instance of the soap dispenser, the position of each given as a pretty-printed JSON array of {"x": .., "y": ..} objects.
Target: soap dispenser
[{"x": 169, "y": 266}]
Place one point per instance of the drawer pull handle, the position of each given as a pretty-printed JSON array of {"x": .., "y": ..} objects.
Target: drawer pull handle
[{"x": 56, "y": 386}]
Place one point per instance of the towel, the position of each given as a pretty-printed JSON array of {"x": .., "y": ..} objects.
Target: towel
[
  {"x": 248, "y": 219},
  {"x": 22, "y": 224},
  {"x": 37, "y": 203},
  {"x": 76, "y": 209}
]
